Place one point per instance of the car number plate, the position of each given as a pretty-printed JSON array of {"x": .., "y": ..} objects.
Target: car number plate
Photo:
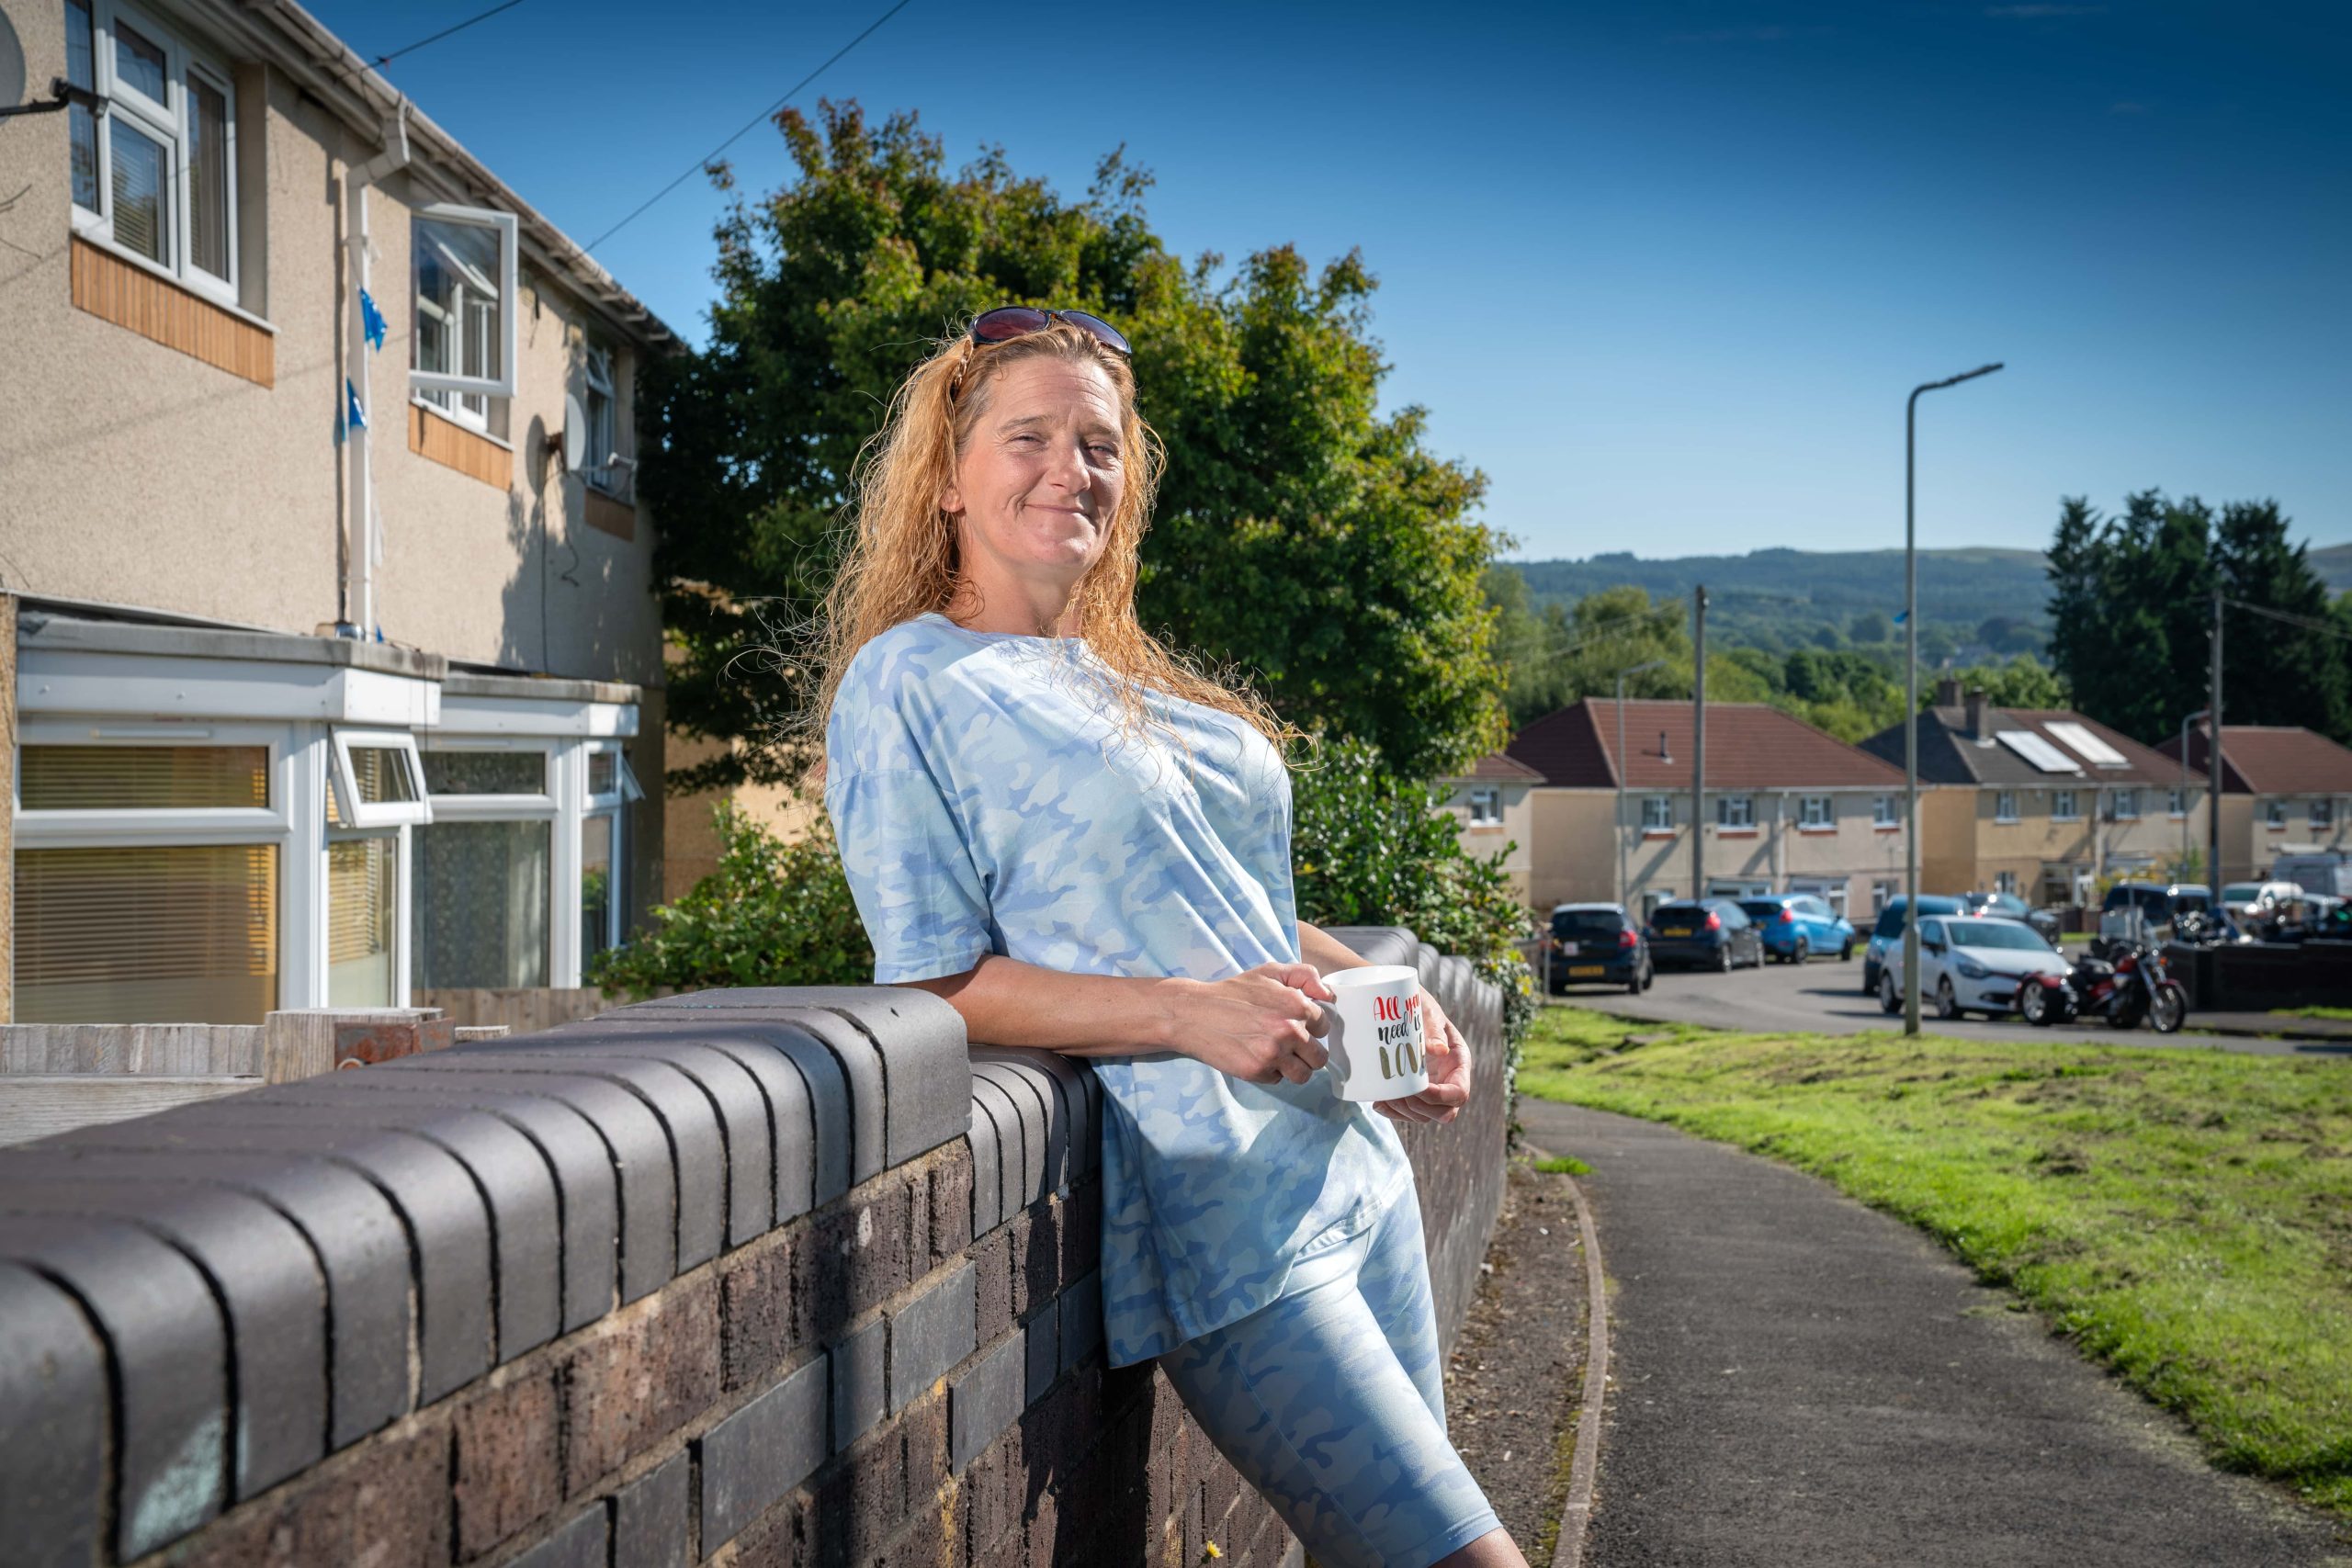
[
  {"x": 1673, "y": 930},
  {"x": 1581, "y": 970}
]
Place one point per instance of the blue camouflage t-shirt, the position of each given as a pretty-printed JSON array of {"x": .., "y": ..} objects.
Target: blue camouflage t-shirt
[{"x": 986, "y": 802}]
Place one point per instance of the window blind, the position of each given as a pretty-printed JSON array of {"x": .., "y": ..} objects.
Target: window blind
[
  {"x": 179, "y": 933},
  {"x": 144, "y": 778}
]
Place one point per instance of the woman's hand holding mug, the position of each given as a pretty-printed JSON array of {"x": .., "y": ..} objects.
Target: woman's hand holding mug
[
  {"x": 1262, "y": 1025},
  {"x": 1448, "y": 1057}
]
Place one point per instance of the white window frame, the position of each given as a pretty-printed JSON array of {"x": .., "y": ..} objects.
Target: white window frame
[
  {"x": 1486, "y": 803},
  {"x": 297, "y": 770},
  {"x": 2123, "y": 798},
  {"x": 602, "y": 452},
  {"x": 2274, "y": 816},
  {"x": 539, "y": 806},
  {"x": 360, "y": 814},
  {"x": 448, "y": 390},
  {"x": 1817, "y": 812},
  {"x": 1658, "y": 814},
  {"x": 612, "y": 805},
  {"x": 1735, "y": 813},
  {"x": 168, "y": 123},
  {"x": 2323, "y": 816},
  {"x": 2005, "y": 806},
  {"x": 2006, "y": 882},
  {"x": 2065, "y": 806},
  {"x": 1885, "y": 812},
  {"x": 2175, "y": 802}
]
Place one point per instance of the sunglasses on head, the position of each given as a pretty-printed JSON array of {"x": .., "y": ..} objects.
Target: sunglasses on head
[{"x": 1009, "y": 321}]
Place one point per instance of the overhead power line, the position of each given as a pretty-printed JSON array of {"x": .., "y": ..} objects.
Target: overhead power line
[
  {"x": 2306, "y": 622},
  {"x": 383, "y": 60},
  {"x": 749, "y": 126}
]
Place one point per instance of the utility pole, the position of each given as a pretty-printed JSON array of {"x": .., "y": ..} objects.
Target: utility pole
[
  {"x": 1699, "y": 753},
  {"x": 2213, "y": 764}
]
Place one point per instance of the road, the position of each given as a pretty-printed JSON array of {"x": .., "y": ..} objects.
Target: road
[{"x": 1825, "y": 997}]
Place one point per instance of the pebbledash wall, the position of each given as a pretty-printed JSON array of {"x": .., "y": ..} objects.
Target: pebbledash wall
[{"x": 756, "y": 1277}]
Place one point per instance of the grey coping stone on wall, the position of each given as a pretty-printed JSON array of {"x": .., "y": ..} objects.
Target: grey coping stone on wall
[
  {"x": 919, "y": 1038},
  {"x": 448, "y": 1227},
  {"x": 833, "y": 1106},
  {"x": 169, "y": 1356},
  {"x": 636, "y": 1145},
  {"x": 988, "y": 1190},
  {"x": 266, "y": 1280},
  {"x": 1008, "y": 1071},
  {"x": 1028, "y": 1103},
  {"x": 930, "y": 1333},
  {"x": 508, "y": 1172},
  {"x": 860, "y": 1382},
  {"x": 791, "y": 1123},
  {"x": 578, "y": 1542},
  {"x": 856, "y": 1056},
  {"x": 697, "y": 1151},
  {"x": 990, "y": 1100},
  {"x": 986, "y": 1400},
  {"x": 587, "y": 1191},
  {"x": 1077, "y": 1080},
  {"x": 1044, "y": 1342},
  {"x": 733, "y": 1096},
  {"x": 362, "y": 1251},
  {"x": 756, "y": 1455},
  {"x": 1081, "y": 1315},
  {"x": 1378, "y": 944},
  {"x": 53, "y": 1439},
  {"x": 653, "y": 1518}
]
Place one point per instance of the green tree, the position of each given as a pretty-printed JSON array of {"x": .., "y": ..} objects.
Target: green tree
[
  {"x": 2276, "y": 672},
  {"x": 1301, "y": 535},
  {"x": 1870, "y": 626},
  {"x": 2023, "y": 683}
]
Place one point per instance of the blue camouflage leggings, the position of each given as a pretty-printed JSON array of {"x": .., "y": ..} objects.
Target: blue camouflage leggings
[{"x": 1330, "y": 1402}]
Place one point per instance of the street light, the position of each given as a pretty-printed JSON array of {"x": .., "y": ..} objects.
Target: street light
[
  {"x": 2212, "y": 873},
  {"x": 1911, "y": 696},
  {"x": 1632, "y": 669}
]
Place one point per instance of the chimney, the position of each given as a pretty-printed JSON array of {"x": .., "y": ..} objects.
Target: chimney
[
  {"x": 1947, "y": 692},
  {"x": 1976, "y": 713}
]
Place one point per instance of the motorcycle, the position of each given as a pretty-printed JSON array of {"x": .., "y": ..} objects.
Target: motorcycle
[{"x": 2137, "y": 985}]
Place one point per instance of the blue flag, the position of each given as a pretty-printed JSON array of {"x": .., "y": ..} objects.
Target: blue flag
[
  {"x": 371, "y": 321},
  {"x": 352, "y": 416}
]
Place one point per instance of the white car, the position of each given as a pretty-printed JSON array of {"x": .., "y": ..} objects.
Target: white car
[{"x": 1969, "y": 963}]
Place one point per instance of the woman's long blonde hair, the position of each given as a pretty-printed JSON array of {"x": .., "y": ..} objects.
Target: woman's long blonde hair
[{"x": 900, "y": 554}]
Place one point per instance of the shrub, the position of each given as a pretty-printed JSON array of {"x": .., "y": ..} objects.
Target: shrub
[
  {"x": 1371, "y": 849},
  {"x": 773, "y": 914}
]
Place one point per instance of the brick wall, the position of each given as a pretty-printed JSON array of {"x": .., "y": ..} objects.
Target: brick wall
[{"x": 757, "y": 1277}]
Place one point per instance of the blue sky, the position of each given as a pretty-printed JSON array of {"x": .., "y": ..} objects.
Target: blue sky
[{"x": 1665, "y": 272}]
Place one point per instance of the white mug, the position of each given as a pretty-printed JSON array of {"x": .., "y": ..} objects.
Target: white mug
[{"x": 1375, "y": 1032}]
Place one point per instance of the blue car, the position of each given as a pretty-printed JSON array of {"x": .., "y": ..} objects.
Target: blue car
[
  {"x": 1798, "y": 925},
  {"x": 1888, "y": 934}
]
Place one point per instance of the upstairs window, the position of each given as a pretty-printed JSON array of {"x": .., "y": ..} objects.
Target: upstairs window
[
  {"x": 599, "y": 412},
  {"x": 1816, "y": 811},
  {"x": 2063, "y": 807},
  {"x": 2005, "y": 806},
  {"x": 1885, "y": 812},
  {"x": 1486, "y": 806},
  {"x": 2323, "y": 816},
  {"x": 2127, "y": 806},
  {"x": 155, "y": 176},
  {"x": 462, "y": 262},
  {"x": 2274, "y": 816},
  {"x": 1658, "y": 814},
  {"x": 1737, "y": 812}
]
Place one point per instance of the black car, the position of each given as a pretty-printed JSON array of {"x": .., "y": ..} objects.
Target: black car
[
  {"x": 1710, "y": 933},
  {"x": 1597, "y": 944},
  {"x": 2010, "y": 907}
]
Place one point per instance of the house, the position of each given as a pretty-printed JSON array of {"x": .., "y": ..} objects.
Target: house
[
  {"x": 1492, "y": 802},
  {"x": 2282, "y": 788},
  {"x": 2041, "y": 802},
  {"x": 1788, "y": 807},
  {"x": 329, "y": 659}
]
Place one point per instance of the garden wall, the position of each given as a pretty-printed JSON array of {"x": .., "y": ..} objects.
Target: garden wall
[{"x": 756, "y": 1277}]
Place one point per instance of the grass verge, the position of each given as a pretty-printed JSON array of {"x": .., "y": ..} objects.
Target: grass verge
[
  {"x": 2184, "y": 1216},
  {"x": 2338, "y": 1015}
]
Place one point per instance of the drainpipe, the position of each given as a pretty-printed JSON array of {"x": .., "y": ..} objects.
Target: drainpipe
[{"x": 362, "y": 509}]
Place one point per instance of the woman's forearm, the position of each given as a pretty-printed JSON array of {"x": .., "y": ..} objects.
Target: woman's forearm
[{"x": 1006, "y": 1002}]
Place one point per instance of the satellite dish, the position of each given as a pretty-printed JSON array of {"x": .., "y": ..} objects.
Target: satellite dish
[
  {"x": 12, "y": 65},
  {"x": 575, "y": 434}
]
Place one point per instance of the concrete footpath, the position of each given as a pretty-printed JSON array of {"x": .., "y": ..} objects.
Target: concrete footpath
[{"x": 1799, "y": 1380}]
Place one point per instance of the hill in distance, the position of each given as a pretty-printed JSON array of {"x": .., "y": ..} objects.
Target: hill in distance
[{"x": 1782, "y": 598}]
